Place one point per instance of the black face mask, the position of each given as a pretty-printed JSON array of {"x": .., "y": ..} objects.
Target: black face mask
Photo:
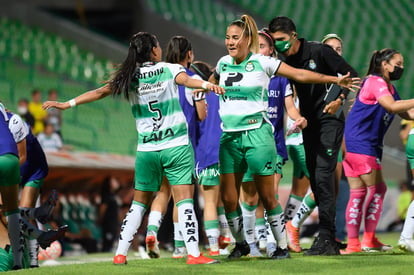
[{"x": 397, "y": 73}]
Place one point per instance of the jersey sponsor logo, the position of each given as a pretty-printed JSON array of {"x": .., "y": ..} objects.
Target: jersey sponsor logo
[
  {"x": 273, "y": 93},
  {"x": 147, "y": 88},
  {"x": 149, "y": 74},
  {"x": 249, "y": 67},
  {"x": 233, "y": 98},
  {"x": 158, "y": 136}
]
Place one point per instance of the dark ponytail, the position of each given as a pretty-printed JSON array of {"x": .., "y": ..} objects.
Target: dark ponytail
[
  {"x": 177, "y": 48},
  {"x": 375, "y": 64},
  {"x": 139, "y": 51}
]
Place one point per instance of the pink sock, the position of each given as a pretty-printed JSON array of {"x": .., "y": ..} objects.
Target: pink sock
[
  {"x": 353, "y": 214},
  {"x": 373, "y": 207}
]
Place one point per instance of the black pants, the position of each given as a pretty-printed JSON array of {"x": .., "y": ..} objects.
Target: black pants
[{"x": 322, "y": 140}]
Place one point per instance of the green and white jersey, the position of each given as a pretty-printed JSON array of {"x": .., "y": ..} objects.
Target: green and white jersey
[
  {"x": 244, "y": 105},
  {"x": 160, "y": 121}
]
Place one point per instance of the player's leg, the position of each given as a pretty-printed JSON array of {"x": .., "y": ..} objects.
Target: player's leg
[
  {"x": 158, "y": 209},
  {"x": 179, "y": 172},
  {"x": 249, "y": 201}
]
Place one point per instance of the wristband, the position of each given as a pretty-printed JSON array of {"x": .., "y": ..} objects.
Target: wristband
[
  {"x": 204, "y": 85},
  {"x": 72, "y": 103},
  {"x": 342, "y": 98}
]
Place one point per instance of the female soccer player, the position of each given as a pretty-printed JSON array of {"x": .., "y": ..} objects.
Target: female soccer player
[
  {"x": 33, "y": 170},
  {"x": 247, "y": 139},
  {"x": 163, "y": 148},
  {"x": 179, "y": 51},
  {"x": 372, "y": 113},
  {"x": 279, "y": 98}
]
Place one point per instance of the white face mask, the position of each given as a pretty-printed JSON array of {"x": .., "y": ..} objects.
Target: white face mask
[{"x": 21, "y": 110}]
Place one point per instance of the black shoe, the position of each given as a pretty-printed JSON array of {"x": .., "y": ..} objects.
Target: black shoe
[
  {"x": 47, "y": 237},
  {"x": 323, "y": 246},
  {"x": 16, "y": 267},
  {"x": 340, "y": 244},
  {"x": 241, "y": 249},
  {"x": 44, "y": 211},
  {"x": 280, "y": 254}
]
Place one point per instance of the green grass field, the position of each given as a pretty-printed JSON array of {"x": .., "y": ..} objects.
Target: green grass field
[{"x": 391, "y": 262}]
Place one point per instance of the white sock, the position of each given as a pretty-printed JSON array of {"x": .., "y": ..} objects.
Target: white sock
[
  {"x": 16, "y": 238},
  {"x": 260, "y": 229},
  {"x": 28, "y": 212},
  {"x": 130, "y": 226},
  {"x": 292, "y": 206},
  {"x": 188, "y": 226},
  {"x": 305, "y": 209},
  {"x": 276, "y": 219},
  {"x": 223, "y": 225},
  {"x": 212, "y": 236},
  {"x": 408, "y": 229},
  {"x": 235, "y": 221},
  {"x": 154, "y": 221},
  {"x": 270, "y": 237},
  {"x": 249, "y": 222},
  {"x": 29, "y": 230},
  {"x": 33, "y": 248}
]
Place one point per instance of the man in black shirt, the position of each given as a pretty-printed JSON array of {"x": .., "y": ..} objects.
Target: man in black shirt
[{"x": 319, "y": 105}]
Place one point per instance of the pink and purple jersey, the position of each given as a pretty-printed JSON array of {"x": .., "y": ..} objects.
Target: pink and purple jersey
[{"x": 368, "y": 121}]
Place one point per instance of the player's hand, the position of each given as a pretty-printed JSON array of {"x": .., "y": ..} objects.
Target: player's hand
[
  {"x": 215, "y": 88},
  {"x": 301, "y": 122},
  {"x": 332, "y": 107},
  {"x": 55, "y": 104},
  {"x": 351, "y": 83}
]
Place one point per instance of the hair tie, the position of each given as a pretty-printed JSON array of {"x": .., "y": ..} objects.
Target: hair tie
[
  {"x": 267, "y": 35},
  {"x": 239, "y": 21}
]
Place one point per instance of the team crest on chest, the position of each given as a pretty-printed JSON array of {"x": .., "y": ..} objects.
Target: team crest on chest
[
  {"x": 249, "y": 67},
  {"x": 312, "y": 64}
]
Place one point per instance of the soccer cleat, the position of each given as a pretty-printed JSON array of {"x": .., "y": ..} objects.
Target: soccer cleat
[
  {"x": 241, "y": 249},
  {"x": 214, "y": 253},
  {"x": 351, "y": 249},
  {"x": 374, "y": 245},
  {"x": 270, "y": 248},
  {"x": 200, "y": 260},
  {"x": 322, "y": 246},
  {"x": 406, "y": 244},
  {"x": 280, "y": 254},
  {"x": 152, "y": 246},
  {"x": 47, "y": 237},
  {"x": 293, "y": 236},
  {"x": 120, "y": 259},
  {"x": 254, "y": 251},
  {"x": 44, "y": 211},
  {"x": 179, "y": 252},
  {"x": 224, "y": 241}
]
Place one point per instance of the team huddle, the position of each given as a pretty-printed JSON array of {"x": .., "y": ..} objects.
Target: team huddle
[{"x": 227, "y": 125}]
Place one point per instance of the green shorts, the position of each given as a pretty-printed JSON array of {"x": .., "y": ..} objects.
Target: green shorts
[
  {"x": 209, "y": 176},
  {"x": 297, "y": 155},
  {"x": 35, "y": 183},
  {"x": 248, "y": 177},
  {"x": 409, "y": 150},
  {"x": 253, "y": 148},
  {"x": 9, "y": 170},
  {"x": 176, "y": 163}
]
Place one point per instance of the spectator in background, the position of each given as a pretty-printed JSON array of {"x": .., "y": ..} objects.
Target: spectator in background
[
  {"x": 108, "y": 213},
  {"x": 40, "y": 115},
  {"x": 23, "y": 111},
  {"x": 54, "y": 116},
  {"x": 49, "y": 140}
]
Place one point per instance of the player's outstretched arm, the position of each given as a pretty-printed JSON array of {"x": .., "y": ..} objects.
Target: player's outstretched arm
[{"x": 86, "y": 97}]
